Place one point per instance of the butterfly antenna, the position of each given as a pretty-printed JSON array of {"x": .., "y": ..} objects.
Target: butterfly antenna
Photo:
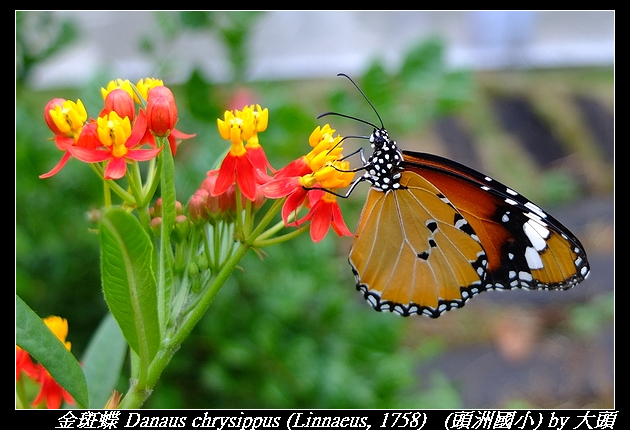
[
  {"x": 346, "y": 116},
  {"x": 344, "y": 138},
  {"x": 365, "y": 97}
]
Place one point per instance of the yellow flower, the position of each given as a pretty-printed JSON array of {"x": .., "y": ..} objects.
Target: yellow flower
[
  {"x": 59, "y": 326},
  {"x": 237, "y": 126},
  {"x": 69, "y": 117},
  {"x": 326, "y": 148},
  {"x": 144, "y": 85},
  {"x": 118, "y": 83},
  {"x": 114, "y": 131}
]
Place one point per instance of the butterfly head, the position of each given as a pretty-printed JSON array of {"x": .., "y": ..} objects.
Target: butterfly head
[{"x": 380, "y": 139}]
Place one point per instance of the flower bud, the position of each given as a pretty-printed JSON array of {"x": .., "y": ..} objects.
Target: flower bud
[
  {"x": 161, "y": 111},
  {"x": 156, "y": 210},
  {"x": 179, "y": 208},
  {"x": 156, "y": 226},
  {"x": 182, "y": 227},
  {"x": 121, "y": 102},
  {"x": 193, "y": 269},
  {"x": 197, "y": 209},
  {"x": 217, "y": 206},
  {"x": 202, "y": 262},
  {"x": 51, "y": 105}
]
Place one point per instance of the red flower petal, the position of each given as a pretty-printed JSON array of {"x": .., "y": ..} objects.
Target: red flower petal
[
  {"x": 292, "y": 204},
  {"x": 338, "y": 224},
  {"x": 51, "y": 391},
  {"x": 259, "y": 159},
  {"x": 58, "y": 167},
  {"x": 63, "y": 142},
  {"x": 246, "y": 177},
  {"x": 281, "y": 187},
  {"x": 227, "y": 175},
  {"x": 320, "y": 220},
  {"x": 179, "y": 135},
  {"x": 138, "y": 130},
  {"x": 297, "y": 167},
  {"x": 90, "y": 155},
  {"x": 116, "y": 168},
  {"x": 142, "y": 154}
]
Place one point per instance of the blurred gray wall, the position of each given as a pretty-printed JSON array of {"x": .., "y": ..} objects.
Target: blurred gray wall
[{"x": 313, "y": 44}]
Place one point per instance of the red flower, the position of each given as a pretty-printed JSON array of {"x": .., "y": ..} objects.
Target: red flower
[
  {"x": 245, "y": 166},
  {"x": 325, "y": 213},
  {"x": 239, "y": 169},
  {"x": 23, "y": 363},
  {"x": 50, "y": 391},
  {"x": 113, "y": 142},
  {"x": 161, "y": 111},
  {"x": 121, "y": 102},
  {"x": 162, "y": 117},
  {"x": 65, "y": 118}
]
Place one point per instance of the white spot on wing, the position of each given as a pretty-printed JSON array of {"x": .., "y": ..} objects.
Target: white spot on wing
[
  {"x": 540, "y": 229},
  {"x": 537, "y": 240},
  {"x": 533, "y": 207},
  {"x": 533, "y": 259}
]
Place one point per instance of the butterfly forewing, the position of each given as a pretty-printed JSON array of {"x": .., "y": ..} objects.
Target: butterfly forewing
[
  {"x": 525, "y": 246},
  {"x": 414, "y": 252}
]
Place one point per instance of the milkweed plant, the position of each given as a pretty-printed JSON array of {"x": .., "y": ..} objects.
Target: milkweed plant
[{"x": 163, "y": 260}]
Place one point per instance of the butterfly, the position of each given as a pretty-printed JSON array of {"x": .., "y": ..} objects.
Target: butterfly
[{"x": 433, "y": 233}]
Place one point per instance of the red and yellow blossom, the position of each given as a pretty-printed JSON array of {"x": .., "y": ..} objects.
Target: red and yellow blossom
[
  {"x": 244, "y": 165},
  {"x": 145, "y": 85},
  {"x": 255, "y": 151},
  {"x": 317, "y": 175},
  {"x": 50, "y": 391},
  {"x": 115, "y": 141},
  {"x": 66, "y": 120}
]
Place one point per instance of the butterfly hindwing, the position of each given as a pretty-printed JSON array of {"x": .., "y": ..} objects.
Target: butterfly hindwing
[{"x": 414, "y": 252}]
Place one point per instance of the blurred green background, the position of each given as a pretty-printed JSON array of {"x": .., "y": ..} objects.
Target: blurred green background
[{"x": 289, "y": 330}]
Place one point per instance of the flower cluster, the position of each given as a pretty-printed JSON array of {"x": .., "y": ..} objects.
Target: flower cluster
[
  {"x": 312, "y": 180},
  {"x": 49, "y": 390},
  {"x": 199, "y": 244},
  {"x": 119, "y": 133}
]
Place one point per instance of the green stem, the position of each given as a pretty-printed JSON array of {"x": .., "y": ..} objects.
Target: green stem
[
  {"x": 261, "y": 243},
  {"x": 153, "y": 180},
  {"x": 264, "y": 222},
  {"x": 122, "y": 193},
  {"x": 139, "y": 391}
]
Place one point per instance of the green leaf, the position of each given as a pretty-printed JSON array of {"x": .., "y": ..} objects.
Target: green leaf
[
  {"x": 34, "y": 336},
  {"x": 129, "y": 282},
  {"x": 103, "y": 361}
]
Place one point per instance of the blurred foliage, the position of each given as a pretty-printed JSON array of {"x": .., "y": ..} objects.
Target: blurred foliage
[
  {"x": 587, "y": 319},
  {"x": 39, "y": 36},
  {"x": 232, "y": 28},
  {"x": 410, "y": 98}
]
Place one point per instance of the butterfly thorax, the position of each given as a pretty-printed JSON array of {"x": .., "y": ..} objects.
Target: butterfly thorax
[{"x": 383, "y": 168}]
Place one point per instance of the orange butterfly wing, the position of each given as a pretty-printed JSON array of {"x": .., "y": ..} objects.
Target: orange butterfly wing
[
  {"x": 413, "y": 252},
  {"x": 450, "y": 232}
]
